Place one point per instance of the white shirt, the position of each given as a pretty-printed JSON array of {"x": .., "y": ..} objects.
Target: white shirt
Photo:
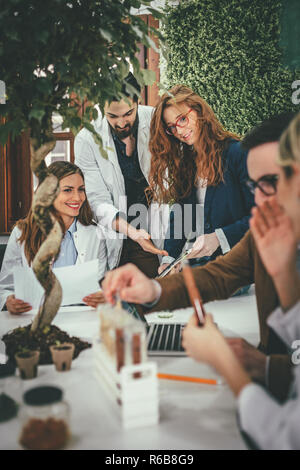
[
  {"x": 104, "y": 182},
  {"x": 270, "y": 424}
]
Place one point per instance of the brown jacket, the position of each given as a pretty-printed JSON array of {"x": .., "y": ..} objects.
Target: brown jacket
[{"x": 218, "y": 280}]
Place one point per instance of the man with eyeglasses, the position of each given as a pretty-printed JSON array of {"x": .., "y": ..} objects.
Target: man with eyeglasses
[
  {"x": 116, "y": 187},
  {"x": 219, "y": 279},
  {"x": 266, "y": 184}
]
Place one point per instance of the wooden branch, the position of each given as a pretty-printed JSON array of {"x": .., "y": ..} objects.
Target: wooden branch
[
  {"x": 43, "y": 198},
  {"x": 37, "y": 163},
  {"x": 42, "y": 263},
  {"x": 42, "y": 268}
]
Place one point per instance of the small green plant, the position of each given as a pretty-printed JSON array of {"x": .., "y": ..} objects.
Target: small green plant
[{"x": 24, "y": 351}]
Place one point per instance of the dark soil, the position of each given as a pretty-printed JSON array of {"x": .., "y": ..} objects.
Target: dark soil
[
  {"x": 26, "y": 355},
  {"x": 22, "y": 340}
]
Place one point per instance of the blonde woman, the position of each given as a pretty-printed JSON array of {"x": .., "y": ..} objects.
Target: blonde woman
[{"x": 276, "y": 229}]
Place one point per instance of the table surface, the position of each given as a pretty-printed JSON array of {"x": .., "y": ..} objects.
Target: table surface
[{"x": 192, "y": 416}]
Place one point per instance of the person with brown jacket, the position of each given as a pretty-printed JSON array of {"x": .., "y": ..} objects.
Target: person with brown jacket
[
  {"x": 219, "y": 279},
  {"x": 275, "y": 227}
]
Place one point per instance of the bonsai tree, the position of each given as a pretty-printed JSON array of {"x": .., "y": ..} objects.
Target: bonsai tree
[{"x": 55, "y": 54}]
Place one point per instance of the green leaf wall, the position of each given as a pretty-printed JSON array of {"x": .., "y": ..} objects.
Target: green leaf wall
[{"x": 228, "y": 51}]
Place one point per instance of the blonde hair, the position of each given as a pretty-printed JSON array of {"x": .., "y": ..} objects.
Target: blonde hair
[{"x": 289, "y": 144}]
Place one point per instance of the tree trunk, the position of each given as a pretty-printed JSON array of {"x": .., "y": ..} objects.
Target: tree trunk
[{"x": 42, "y": 264}]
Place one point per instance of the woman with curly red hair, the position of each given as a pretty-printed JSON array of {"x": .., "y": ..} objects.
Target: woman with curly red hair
[{"x": 200, "y": 169}]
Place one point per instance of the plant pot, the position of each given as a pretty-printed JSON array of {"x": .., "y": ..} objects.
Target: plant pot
[
  {"x": 28, "y": 364},
  {"x": 62, "y": 356},
  {"x": 22, "y": 337}
]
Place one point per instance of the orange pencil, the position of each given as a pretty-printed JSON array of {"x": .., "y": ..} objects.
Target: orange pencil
[
  {"x": 193, "y": 292},
  {"x": 183, "y": 378}
]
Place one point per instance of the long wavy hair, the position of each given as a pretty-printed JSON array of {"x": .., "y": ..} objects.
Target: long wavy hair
[
  {"x": 176, "y": 166},
  {"x": 31, "y": 234}
]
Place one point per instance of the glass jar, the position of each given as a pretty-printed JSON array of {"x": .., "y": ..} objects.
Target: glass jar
[{"x": 44, "y": 419}]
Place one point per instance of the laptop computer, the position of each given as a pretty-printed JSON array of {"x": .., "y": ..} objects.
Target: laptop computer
[{"x": 163, "y": 339}]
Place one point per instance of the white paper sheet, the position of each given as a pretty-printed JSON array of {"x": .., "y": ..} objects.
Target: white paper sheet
[{"x": 77, "y": 281}]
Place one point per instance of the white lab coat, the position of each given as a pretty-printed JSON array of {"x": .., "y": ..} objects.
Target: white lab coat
[
  {"x": 88, "y": 244},
  {"x": 270, "y": 424},
  {"x": 104, "y": 181}
]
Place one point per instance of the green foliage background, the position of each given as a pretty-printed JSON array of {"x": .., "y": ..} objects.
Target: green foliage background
[
  {"x": 290, "y": 33},
  {"x": 51, "y": 50},
  {"x": 228, "y": 51}
]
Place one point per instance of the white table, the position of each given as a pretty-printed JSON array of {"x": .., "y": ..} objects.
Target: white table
[{"x": 192, "y": 416}]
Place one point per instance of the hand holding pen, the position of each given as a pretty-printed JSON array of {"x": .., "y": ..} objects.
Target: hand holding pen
[{"x": 194, "y": 294}]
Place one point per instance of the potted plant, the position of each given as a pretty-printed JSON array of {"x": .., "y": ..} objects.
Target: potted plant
[
  {"x": 62, "y": 355},
  {"x": 27, "y": 361}
]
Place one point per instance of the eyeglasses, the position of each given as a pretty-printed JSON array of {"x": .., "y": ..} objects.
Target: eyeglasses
[
  {"x": 267, "y": 184},
  {"x": 182, "y": 121}
]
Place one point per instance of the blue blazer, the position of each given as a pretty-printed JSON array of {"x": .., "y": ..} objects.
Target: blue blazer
[{"x": 226, "y": 206}]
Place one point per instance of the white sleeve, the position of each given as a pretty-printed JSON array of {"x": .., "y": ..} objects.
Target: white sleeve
[
  {"x": 270, "y": 424},
  {"x": 12, "y": 258},
  {"x": 159, "y": 291},
  {"x": 286, "y": 324},
  {"x": 225, "y": 247},
  {"x": 103, "y": 261},
  {"x": 98, "y": 195}
]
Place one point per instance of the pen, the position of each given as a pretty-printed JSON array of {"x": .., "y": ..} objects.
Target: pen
[
  {"x": 193, "y": 292},
  {"x": 184, "y": 378}
]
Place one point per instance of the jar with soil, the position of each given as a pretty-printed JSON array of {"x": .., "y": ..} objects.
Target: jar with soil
[{"x": 45, "y": 418}]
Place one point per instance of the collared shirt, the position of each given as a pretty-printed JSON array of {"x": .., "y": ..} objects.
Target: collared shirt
[
  {"x": 134, "y": 179},
  {"x": 271, "y": 424},
  {"x": 68, "y": 253},
  {"x": 268, "y": 357}
]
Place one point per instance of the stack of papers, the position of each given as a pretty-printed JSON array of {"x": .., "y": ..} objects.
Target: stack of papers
[{"x": 76, "y": 281}]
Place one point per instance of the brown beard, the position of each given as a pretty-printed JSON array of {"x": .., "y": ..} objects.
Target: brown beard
[
  {"x": 123, "y": 133},
  {"x": 131, "y": 130}
]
